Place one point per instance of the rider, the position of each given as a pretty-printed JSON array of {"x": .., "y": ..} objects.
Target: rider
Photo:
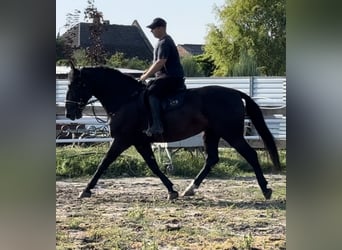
[{"x": 168, "y": 71}]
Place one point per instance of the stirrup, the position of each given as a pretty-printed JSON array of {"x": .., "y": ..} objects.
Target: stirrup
[{"x": 150, "y": 131}]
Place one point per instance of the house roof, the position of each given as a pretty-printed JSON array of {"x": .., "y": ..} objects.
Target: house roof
[
  {"x": 190, "y": 49},
  {"x": 63, "y": 71},
  {"x": 128, "y": 39}
]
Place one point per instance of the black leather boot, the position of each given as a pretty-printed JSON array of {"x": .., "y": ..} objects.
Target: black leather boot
[{"x": 157, "y": 127}]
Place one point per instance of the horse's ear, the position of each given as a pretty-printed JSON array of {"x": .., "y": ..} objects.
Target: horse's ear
[
  {"x": 74, "y": 72},
  {"x": 72, "y": 65}
]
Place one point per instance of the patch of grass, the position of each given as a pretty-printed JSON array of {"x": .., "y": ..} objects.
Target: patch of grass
[
  {"x": 75, "y": 161},
  {"x": 247, "y": 241},
  {"x": 136, "y": 214},
  {"x": 75, "y": 223}
]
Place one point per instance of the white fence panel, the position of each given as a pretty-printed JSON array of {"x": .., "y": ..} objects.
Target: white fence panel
[
  {"x": 240, "y": 83},
  {"x": 61, "y": 89},
  {"x": 268, "y": 92}
]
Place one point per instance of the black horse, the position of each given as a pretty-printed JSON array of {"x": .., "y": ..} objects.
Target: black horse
[{"x": 217, "y": 111}]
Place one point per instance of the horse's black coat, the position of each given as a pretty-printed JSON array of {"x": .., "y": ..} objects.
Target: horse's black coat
[{"x": 217, "y": 111}]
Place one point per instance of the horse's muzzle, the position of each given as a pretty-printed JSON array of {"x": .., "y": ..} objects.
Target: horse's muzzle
[{"x": 73, "y": 116}]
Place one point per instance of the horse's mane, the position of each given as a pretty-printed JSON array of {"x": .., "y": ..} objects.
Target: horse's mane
[
  {"x": 108, "y": 73},
  {"x": 118, "y": 74},
  {"x": 113, "y": 79}
]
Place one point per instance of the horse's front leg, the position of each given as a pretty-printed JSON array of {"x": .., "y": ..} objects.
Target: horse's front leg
[
  {"x": 146, "y": 152},
  {"x": 116, "y": 148}
]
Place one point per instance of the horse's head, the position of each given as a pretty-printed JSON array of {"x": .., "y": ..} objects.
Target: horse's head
[{"x": 78, "y": 94}]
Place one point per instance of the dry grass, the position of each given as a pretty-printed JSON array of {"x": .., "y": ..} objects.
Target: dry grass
[{"x": 133, "y": 213}]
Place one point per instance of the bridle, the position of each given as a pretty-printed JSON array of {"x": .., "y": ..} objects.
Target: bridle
[{"x": 81, "y": 104}]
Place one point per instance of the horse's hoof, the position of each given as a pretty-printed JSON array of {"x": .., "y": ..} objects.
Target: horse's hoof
[
  {"x": 190, "y": 190},
  {"x": 172, "y": 195},
  {"x": 84, "y": 194},
  {"x": 268, "y": 193}
]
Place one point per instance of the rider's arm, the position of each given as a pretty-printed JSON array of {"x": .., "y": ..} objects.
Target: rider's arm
[{"x": 155, "y": 67}]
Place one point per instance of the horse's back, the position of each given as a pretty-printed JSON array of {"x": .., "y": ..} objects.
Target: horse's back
[
  {"x": 214, "y": 90},
  {"x": 217, "y": 98},
  {"x": 204, "y": 107}
]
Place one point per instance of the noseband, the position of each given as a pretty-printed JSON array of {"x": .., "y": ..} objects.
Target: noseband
[{"x": 81, "y": 104}]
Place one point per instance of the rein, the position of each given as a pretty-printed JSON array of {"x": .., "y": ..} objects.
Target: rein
[
  {"x": 98, "y": 119},
  {"x": 82, "y": 104}
]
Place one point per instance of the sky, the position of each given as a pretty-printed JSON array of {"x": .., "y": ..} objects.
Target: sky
[{"x": 187, "y": 20}]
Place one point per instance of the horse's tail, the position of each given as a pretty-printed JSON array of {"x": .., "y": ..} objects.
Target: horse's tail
[{"x": 257, "y": 118}]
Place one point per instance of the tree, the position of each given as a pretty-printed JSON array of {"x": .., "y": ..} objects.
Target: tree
[
  {"x": 96, "y": 53},
  {"x": 205, "y": 63},
  {"x": 72, "y": 20},
  {"x": 246, "y": 66},
  {"x": 251, "y": 35},
  {"x": 60, "y": 54},
  {"x": 191, "y": 67},
  {"x": 118, "y": 60},
  {"x": 80, "y": 58}
]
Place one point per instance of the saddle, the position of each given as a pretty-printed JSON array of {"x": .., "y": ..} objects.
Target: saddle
[{"x": 173, "y": 101}]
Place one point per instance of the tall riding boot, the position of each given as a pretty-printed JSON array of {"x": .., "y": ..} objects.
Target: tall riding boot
[{"x": 157, "y": 127}]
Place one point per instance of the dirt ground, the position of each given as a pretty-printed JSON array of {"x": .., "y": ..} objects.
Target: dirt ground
[{"x": 133, "y": 213}]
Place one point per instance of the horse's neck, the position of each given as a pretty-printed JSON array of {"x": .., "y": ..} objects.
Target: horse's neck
[
  {"x": 109, "y": 106},
  {"x": 113, "y": 89},
  {"x": 112, "y": 100}
]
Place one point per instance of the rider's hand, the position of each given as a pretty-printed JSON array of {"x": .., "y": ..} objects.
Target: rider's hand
[{"x": 143, "y": 77}]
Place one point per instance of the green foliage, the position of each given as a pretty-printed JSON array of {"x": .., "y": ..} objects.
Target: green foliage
[
  {"x": 247, "y": 241},
  {"x": 80, "y": 58},
  {"x": 246, "y": 66},
  {"x": 251, "y": 32},
  {"x": 59, "y": 49},
  {"x": 191, "y": 67},
  {"x": 206, "y": 64},
  {"x": 62, "y": 62},
  {"x": 74, "y": 161},
  {"x": 118, "y": 60}
]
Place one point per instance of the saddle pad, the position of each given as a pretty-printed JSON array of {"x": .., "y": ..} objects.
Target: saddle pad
[{"x": 173, "y": 102}]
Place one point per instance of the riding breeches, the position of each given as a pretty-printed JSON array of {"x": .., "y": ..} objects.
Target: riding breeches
[{"x": 162, "y": 87}]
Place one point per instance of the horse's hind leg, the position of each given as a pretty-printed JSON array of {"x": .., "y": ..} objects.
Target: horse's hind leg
[
  {"x": 211, "y": 149},
  {"x": 251, "y": 156}
]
